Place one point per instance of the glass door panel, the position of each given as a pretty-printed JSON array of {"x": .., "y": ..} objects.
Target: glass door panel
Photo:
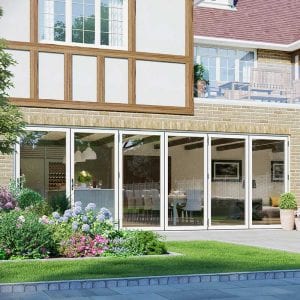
[
  {"x": 43, "y": 162},
  {"x": 268, "y": 180},
  {"x": 94, "y": 169},
  {"x": 228, "y": 182},
  {"x": 141, "y": 179},
  {"x": 185, "y": 190}
]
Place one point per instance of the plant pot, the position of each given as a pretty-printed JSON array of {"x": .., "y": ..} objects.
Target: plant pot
[
  {"x": 297, "y": 222},
  {"x": 201, "y": 88},
  {"x": 287, "y": 219}
]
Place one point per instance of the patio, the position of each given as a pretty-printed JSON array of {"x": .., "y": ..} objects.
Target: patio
[{"x": 266, "y": 238}]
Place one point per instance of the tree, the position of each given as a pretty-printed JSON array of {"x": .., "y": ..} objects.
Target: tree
[{"x": 12, "y": 125}]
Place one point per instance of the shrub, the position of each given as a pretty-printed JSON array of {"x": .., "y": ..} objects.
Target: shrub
[
  {"x": 144, "y": 243},
  {"x": 7, "y": 201},
  {"x": 83, "y": 245},
  {"x": 28, "y": 198},
  {"x": 41, "y": 209},
  {"x": 2, "y": 254},
  {"x": 23, "y": 235},
  {"x": 288, "y": 201},
  {"x": 59, "y": 203}
]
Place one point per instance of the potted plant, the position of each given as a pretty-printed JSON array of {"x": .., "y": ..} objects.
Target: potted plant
[
  {"x": 200, "y": 80},
  {"x": 84, "y": 178},
  {"x": 287, "y": 206},
  {"x": 297, "y": 220}
]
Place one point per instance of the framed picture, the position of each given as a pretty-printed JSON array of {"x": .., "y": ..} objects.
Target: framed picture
[
  {"x": 277, "y": 171},
  {"x": 227, "y": 170}
]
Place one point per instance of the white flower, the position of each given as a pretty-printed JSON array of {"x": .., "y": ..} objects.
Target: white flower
[{"x": 21, "y": 219}]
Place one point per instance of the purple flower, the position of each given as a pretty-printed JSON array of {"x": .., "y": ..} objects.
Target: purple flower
[
  {"x": 56, "y": 215},
  {"x": 100, "y": 218},
  {"x": 84, "y": 219},
  {"x": 90, "y": 207},
  {"x": 78, "y": 204},
  {"x": 85, "y": 228},
  {"x": 64, "y": 219},
  {"x": 68, "y": 213},
  {"x": 107, "y": 214},
  {"x": 75, "y": 225},
  {"x": 77, "y": 211}
]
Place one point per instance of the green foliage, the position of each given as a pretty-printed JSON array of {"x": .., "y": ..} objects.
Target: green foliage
[
  {"x": 16, "y": 186},
  {"x": 59, "y": 203},
  {"x": 12, "y": 125},
  {"x": 2, "y": 254},
  {"x": 145, "y": 243},
  {"x": 200, "y": 73},
  {"x": 41, "y": 209},
  {"x": 84, "y": 177},
  {"x": 29, "y": 198},
  {"x": 288, "y": 201},
  {"x": 22, "y": 235}
]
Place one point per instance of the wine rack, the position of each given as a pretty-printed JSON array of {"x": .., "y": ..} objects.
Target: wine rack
[{"x": 57, "y": 176}]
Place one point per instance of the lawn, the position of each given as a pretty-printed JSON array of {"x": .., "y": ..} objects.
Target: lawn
[{"x": 198, "y": 257}]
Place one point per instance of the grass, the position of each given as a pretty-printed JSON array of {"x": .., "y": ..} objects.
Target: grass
[{"x": 198, "y": 258}]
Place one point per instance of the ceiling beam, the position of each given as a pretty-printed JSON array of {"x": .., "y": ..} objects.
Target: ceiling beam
[
  {"x": 194, "y": 146},
  {"x": 231, "y": 146},
  {"x": 179, "y": 142}
]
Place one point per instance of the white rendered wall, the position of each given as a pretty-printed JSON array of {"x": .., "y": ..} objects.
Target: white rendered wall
[
  {"x": 21, "y": 71},
  {"x": 84, "y": 78},
  {"x": 160, "y": 26},
  {"x": 15, "y": 23},
  {"x": 159, "y": 83},
  {"x": 116, "y": 80},
  {"x": 51, "y": 76}
]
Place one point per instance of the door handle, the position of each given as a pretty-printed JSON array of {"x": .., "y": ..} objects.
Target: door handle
[{"x": 72, "y": 184}]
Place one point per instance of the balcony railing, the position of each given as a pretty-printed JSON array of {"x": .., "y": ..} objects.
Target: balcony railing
[{"x": 265, "y": 84}]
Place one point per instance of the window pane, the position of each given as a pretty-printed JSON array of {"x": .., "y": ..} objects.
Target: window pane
[
  {"x": 228, "y": 181},
  {"x": 141, "y": 181},
  {"x": 43, "y": 163},
  {"x": 186, "y": 181},
  {"x": 52, "y": 20},
  {"x": 268, "y": 176},
  {"x": 94, "y": 155},
  {"x": 77, "y": 36},
  {"x": 112, "y": 22}
]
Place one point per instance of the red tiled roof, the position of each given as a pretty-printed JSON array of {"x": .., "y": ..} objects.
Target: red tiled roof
[{"x": 271, "y": 21}]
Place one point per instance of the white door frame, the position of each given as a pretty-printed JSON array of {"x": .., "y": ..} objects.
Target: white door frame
[
  {"x": 162, "y": 176},
  {"x": 48, "y": 129},
  {"x": 229, "y": 136},
  {"x": 72, "y": 165},
  {"x": 286, "y": 173},
  {"x": 186, "y": 134}
]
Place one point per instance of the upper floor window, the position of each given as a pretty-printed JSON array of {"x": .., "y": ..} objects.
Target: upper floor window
[
  {"x": 92, "y": 22},
  {"x": 224, "y": 67},
  {"x": 223, "y": 4}
]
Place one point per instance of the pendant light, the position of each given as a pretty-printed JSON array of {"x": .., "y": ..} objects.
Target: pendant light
[
  {"x": 89, "y": 153},
  {"x": 78, "y": 156}
]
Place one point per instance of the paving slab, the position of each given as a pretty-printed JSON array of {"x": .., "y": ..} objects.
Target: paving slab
[{"x": 267, "y": 238}]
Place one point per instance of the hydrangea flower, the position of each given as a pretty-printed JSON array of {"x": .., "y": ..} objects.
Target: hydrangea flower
[
  {"x": 85, "y": 228},
  {"x": 84, "y": 219},
  {"x": 78, "y": 204},
  {"x": 90, "y": 207},
  {"x": 77, "y": 211},
  {"x": 56, "y": 215},
  {"x": 51, "y": 222},
  {"x": 107, "y": 214},
  {"x": 68, "y": 213},
  {"x": 64, "y": 219},
  {"x": 75, "y": 225},
  {"x": 100, "y": 218}
]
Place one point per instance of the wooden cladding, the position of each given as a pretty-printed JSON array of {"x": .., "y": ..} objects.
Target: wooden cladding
[{"x": 34, "y": 47}]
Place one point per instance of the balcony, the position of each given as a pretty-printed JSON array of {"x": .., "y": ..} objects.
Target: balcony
[{"x": 264, "y": 83}]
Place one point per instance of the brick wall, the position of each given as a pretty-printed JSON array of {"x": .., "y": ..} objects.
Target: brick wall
[
  {"x": 6, "y": 169},
  {"x": 207, "y": 118}
]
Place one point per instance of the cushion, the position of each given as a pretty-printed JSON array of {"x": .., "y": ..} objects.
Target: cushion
[{"x": 275, "y": 201}]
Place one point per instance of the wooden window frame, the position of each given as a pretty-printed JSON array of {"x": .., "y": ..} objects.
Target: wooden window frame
[{"x": 34, "y": 47}]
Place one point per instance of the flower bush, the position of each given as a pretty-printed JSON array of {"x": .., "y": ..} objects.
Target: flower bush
[
  {"x": 84, "y": 246},
  {"x": 28, "y": 198},
  {"x": 7, "y": 201},
  {"x": 23, "y": 235}
]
